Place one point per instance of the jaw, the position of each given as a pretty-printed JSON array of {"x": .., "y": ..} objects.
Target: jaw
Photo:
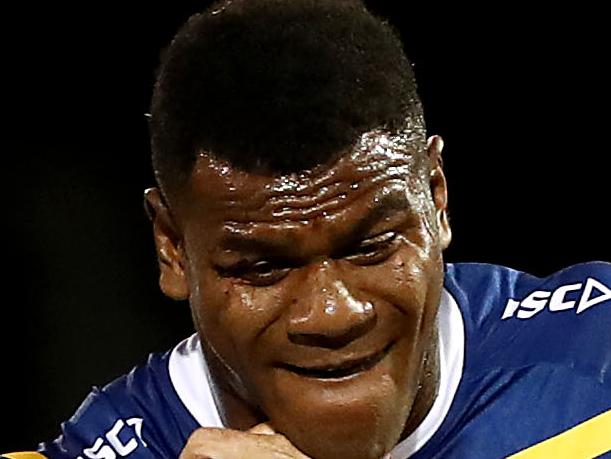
[
  {"x": 359, "y": 417},
  {"x": 359, "y": 428}
]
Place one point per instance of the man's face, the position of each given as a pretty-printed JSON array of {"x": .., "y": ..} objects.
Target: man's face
[{"x": 317, "y": 292}]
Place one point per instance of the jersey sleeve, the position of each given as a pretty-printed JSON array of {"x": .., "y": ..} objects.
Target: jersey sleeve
[
  {"x": 100, "y": 430},
  {"x": 137, "y": 416},
  {"x": 518, "y": 319}
]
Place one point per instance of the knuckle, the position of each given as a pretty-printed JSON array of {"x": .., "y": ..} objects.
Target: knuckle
[
  {"x": 205, "y": 432},
  {"x": 203, "y": 436}
]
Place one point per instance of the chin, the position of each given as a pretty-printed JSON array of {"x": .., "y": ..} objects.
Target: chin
[
  {"x": 360, "y": 417},
  {"x": 356, "y": 448},
  {"x": 352, "y": 434}
]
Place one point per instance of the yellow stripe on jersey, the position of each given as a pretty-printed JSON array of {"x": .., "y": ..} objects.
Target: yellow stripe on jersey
[
  {"x": 584, "y": 441},
  {"x": 25, "y": 455}
]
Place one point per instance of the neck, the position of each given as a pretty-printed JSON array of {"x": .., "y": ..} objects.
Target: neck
[
  {"x": 234, "y": 412},
  {"x": 428, "y": 387}
]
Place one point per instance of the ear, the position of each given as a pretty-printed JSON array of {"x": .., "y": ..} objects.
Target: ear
[
  {"x": 439, "y": 190},
  {"x": 172, "y": 277}
]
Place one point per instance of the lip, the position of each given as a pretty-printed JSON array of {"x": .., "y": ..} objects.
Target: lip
[{"x": 340, "y": 370}]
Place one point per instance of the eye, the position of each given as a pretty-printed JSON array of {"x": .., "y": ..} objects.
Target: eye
[
  {"x": 374, "y": 250},
  {"x": 260, "y": 273}
]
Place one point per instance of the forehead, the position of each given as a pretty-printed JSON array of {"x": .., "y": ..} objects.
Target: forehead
[{"x": 381, "y": 171}]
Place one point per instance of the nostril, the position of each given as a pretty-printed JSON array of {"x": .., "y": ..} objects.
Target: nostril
[{"x": 333, "y": 338}]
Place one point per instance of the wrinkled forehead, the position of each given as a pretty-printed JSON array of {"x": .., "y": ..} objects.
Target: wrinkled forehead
[{"x": 378, "y": 161}]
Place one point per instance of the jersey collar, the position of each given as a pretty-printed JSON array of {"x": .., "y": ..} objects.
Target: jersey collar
[{"x": 190, "y": 377}]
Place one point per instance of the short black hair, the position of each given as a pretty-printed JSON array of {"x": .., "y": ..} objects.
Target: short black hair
[{"x": 279, "y": 84}]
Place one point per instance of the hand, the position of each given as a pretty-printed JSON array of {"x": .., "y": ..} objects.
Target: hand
[{"x": 260, "y": 442}]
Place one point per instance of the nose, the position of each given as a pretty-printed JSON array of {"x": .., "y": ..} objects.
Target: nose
[{"x": 326, "y": 314}]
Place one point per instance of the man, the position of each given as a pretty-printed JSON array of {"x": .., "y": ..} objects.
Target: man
[{"x": 302, "y": 211}]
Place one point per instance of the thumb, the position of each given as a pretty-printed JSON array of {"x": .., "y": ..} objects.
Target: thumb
[{"x": 262, "y": 429}]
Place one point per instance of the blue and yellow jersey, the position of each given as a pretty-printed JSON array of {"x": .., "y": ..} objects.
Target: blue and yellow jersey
[
  {"x": 524, "y": 373},
  {"x": 535, "y": 380}
]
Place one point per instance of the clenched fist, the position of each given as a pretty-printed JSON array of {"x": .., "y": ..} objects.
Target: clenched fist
[{"x": 260, "y": 442}]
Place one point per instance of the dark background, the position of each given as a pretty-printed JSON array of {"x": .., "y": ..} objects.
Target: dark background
[{"x": 520, "y": 96}]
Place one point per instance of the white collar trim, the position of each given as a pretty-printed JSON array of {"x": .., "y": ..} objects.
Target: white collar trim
[
  {"x": 190, "y": 377},
  {"x": 451, "y": 360}
]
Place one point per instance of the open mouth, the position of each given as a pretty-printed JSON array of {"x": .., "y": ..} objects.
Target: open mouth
[{"x": 347, "y": 368}]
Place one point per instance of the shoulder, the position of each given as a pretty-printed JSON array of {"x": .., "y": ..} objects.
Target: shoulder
[
  {"x": 537, "y": 352},
  {"x": 138, "y": 415},
  {"x": 520, "y": 319},
  {"x": 487, "y": 289}
]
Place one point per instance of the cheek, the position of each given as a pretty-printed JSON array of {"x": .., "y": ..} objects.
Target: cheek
[
  {"x": 405, "y": 280},
  {"x": 232, "y": 315}
]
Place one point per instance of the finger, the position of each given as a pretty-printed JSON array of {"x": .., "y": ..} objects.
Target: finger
[{"x": 262, "y": 429}]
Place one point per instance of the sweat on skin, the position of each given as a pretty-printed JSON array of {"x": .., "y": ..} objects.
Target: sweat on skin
[{"x": 315, "y": 294}]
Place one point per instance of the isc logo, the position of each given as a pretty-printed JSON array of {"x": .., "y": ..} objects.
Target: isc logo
[
  {"x": 110, "y": 446},
  {"x": 593, "y": 292}
]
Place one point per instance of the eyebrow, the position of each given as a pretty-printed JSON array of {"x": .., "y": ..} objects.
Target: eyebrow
[
  {"x": 385, "y": 206},
  {"x": 246, "y": 243}
]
